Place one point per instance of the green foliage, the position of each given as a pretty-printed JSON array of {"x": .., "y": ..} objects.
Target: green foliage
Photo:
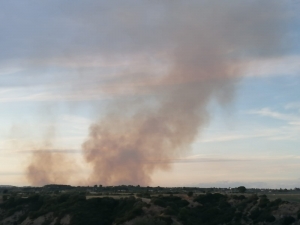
[
  {"x": 174, "y": 202},
  {"x": 238, "y": 197},
  {"x": 4, "y": 198},
  {"x": 129, "y": 209},
  {"x": 241, "y": 189},
  {"x": 287, "y": 220},
  {"x": 270, "y": 218},
  {"x": 276, "y": 203},
  {"x": 298, "y": 214},
  {"x": 212, "y": 209},
  {"x": 190, "y": 193},
  {"x": 144, "y": 195},
  {"x": 93, "y": 211},
  {"x": 264, "y": 202},
  {"x": 169, "y": 211},
  {"x": 262, "y": 215},
  {"x": 209, "y": 198},
  {"x": 149, "y": 221},
  {"x": 159, "y": 202}
]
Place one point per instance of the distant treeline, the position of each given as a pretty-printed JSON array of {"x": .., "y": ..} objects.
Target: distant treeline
[{"x": 57, "y": 188}]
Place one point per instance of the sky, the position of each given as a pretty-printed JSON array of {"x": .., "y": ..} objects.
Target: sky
[{"x": 161, "y": 93}]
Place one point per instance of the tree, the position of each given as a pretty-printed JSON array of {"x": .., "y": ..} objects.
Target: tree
[
  {"x": 149, "y": 221},
  {"x": 4, "y": 197},
  {"x": 241, "y": 189},
  {"x": 190, "y": 193}
]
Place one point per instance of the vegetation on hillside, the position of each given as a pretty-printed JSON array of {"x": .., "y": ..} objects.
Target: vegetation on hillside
[{"x": 206, "y": 209}]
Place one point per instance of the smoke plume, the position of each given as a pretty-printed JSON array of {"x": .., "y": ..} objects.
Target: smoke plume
[
  {"x": 48, "y": 167},
  {"x": 157, "y": 113}
]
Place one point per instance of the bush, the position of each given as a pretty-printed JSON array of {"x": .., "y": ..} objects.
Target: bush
[
  {"x": 240, "y": 197},
  {"x": 263, "y": 202},
  {"x": 173, "y": 201},
  {"x": 149, "y": 221},
  {"x": 4, "y": 198},
  {"x": 241, "y": 189},
  {"x": 144, "y": 195},
  {"x": 190, "y": 193},
  {"x": 169, "y": 211},
  {"x": 255, "y": 214},
  {"x": 270, "y": 219},
  {"x": 276, "y": 202},
  {"x": 210, "y": 198},
  {"x": 287, "y": 220},
  {"x": 159, "y": 202}
]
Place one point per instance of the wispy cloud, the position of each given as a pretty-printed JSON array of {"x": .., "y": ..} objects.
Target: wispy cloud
[
  {"x": 276, "y": 115},
  {"x": 289, "y": 131},
  {"x": 9, "y": 70},
  {"x": 293, "y": 105},
  {"x": 11, "y": 173},
  {"x": 221, "y": 157},
  {"x": 237, "y": 136},
  {"x": 272, "y": 66}
]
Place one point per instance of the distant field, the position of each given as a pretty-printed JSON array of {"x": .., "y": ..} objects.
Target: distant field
[
  {"x": 285, "y": 197},
  {"x": 110, "y": 196},
  {"x": 117, "y": 197}
]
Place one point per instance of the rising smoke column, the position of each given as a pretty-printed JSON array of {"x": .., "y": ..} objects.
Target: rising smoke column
[
  {"x": 161, "y": 113},
  {"x": 128, "y": 144},
  {"x": 48, "y": 167}
]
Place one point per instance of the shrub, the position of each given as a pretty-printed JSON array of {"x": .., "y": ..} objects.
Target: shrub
[
  {"x": 287, "y": 220},
  {"x": 149, "y": 221},
  {"x": 270, "y": 219},
  {"x": 190, "y": 193}
]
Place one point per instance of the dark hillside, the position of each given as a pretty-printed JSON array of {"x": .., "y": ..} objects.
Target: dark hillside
[{"x": 206, "y": 209}]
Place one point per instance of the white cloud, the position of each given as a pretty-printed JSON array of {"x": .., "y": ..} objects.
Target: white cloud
[
  {"x": 234, "y": 136},
  {"x": 289, "y": 131},
  {"x": 293, "y": 105},
  {"x": 9, "y": 70},
  {"x": 280, "y": 66},
  {"x": 276, "y": 115}
]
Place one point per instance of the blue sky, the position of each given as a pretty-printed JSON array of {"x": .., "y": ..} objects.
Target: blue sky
[{"x": 64, "y": 67}]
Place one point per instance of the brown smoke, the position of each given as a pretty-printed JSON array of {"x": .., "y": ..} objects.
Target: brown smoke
[
  {"x": 203, "y": 42},
  {"x": 50, "y": 168},
  {"x": 131, "y": 142},
  {"x": 127, "y": 145}
]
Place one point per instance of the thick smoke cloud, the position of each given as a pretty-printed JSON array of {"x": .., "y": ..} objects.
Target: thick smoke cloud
[
  {"x": 48, "y": 167},
  {"x": 165, "y": 107},
  {"x": 130, "y": 143}
]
